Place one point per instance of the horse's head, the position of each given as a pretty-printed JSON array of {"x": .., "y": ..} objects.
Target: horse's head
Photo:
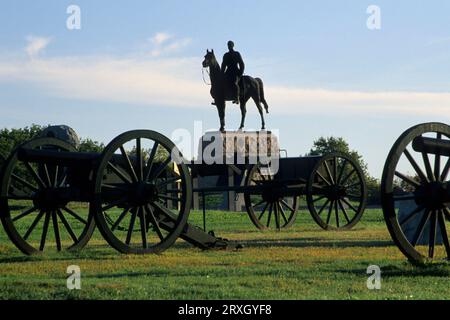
[{"x": 210, "y": 59}]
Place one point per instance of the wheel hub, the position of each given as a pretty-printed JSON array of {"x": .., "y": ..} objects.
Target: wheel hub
[
  {"x": 142, "y": 193},
  {"x": 50, "y": 199},
  {"x": 335, "y": 192}
]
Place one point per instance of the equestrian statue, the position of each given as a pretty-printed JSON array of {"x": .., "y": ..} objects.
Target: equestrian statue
[{"x": 228, "y": 83}]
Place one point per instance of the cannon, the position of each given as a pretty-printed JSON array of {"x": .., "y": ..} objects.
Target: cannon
[
  {"x": 415, "y": 192},
  {"x": 137, "y": 192},
  {"x": 333, "y": 184}
]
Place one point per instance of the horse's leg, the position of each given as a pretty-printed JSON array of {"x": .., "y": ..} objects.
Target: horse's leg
[
  {"x": 260, "y": 109},
  {"x": 221, "y": 109},
  {"x": 243, "y": 113}
]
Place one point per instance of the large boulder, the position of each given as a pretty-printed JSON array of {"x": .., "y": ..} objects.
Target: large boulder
[{"x": 62, "y": 132}]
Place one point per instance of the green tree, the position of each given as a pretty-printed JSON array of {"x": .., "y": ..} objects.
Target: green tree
[
  {"x": 11, "y": 138},
  {"x": 325, "y": 145},
  {"x": 89, "y": 145}
]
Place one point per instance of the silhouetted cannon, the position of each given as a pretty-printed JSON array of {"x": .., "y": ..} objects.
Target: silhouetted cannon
[
  {"x": 333, "y": 184},
  {"x": 137, "y": 191},
  {"x": 415, "y": 190}
]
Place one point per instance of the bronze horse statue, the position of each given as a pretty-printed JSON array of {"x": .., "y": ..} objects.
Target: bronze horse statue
[{"x": 221, "y": 91}]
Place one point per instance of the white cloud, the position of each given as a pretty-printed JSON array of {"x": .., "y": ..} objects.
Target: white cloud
[
  {"x": 165, "y": 43},
  {"x": 176, "y": 82},
  {"x": 160, "y": 37},
  {"x": 36, "y": 45}
]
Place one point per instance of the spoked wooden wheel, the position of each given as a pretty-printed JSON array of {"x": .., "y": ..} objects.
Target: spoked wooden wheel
[
  {"x": 415, "y": 194},
  {"x": 143, "y": 193},
  {"x": 268, "y": 203},
  {"x": 33, "y": 214},
  {"x": 336, "y": 192}
]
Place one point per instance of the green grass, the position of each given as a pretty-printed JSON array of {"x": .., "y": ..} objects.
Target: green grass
[{"x": 303, "y": 262}]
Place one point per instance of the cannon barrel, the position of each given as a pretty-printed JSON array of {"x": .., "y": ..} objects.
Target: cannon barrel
[{"x": 432, "y": 146}]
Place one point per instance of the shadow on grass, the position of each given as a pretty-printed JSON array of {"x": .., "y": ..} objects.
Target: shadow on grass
[
  {"x": 316, "y": 242},
  {"x": 407, "y": 270}
]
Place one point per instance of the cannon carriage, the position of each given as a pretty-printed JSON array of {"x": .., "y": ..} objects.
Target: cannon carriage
[
  {"x": 272, "y": 186},
  {"x": 139, "y": 192},
  {"x": 415, "y": 192}
]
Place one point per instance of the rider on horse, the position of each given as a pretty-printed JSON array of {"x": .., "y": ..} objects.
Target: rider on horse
[{"x": 233, "y": 67}]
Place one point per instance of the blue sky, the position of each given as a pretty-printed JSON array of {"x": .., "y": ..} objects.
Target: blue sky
[{"x": 137, "y": 64}]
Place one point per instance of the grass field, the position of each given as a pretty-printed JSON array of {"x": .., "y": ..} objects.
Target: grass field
[{"x": 303, "y": 262}]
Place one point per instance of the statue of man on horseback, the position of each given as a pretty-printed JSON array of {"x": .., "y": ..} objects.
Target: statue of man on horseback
[
  {"x": 229, "y": 84},
  {"x": 233, "y": 67}
]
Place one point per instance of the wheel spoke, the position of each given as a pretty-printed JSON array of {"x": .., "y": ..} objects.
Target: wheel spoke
[
  {"x": 416, "y": 167},
  {"x": 324, "y": 206},
  {"x": 139, "y": 159},
  {"x": 168, "y": 181},
  {"x": 131, "y": 226},
  {"x": 119, "y": 220},
  {"x": 129, "y": 165},
  {"x": 411, "y": 215},
  {"x": 323, "y": 178},
  {"x": 432, "y": 234},
  {"x": 35, "y": 175},
  {"x": 327, "y": 169},
  {"x": 260, "y": 174},
  {"x": 283, "y": 214},
  {"x": 426, "y": 161},
  {"x": 44, "y": 231},
  {"x": 287, "y": 205},
  {"x": 169, "y": 198},
  {"x": 330, "y": 210},
  {"x": 55, "y": 180},
  {"x": 151, "y": 160},
  {"x": 67, "y": 226},
  {"x": 56, "y": 230},
  {"x": 348, "y": 176},
  {"x": 408, "y": 180},
  {"x": 320, "y": 198},
  {"x": 437, "y": 161},
  {"x": 154, "y": 222},
  {"x": 420, "y": 228},
  {"x": 270, "y": 215},
  {"x": 341, "y": 172},
  {"x": 259, "y": 203},
  {"x": 75, "y": 215},
  {"x": 24, "y": 214},
  {"x": 336, "y": 213},
  {"x": 335, "y": 170},
  {"x": 33, "y": 225},
  {"x": 277, "y": 216},
  {"x": 114, "y": 203},
  {"x": 264, "y": 211},
  {"x": 119, "y": 173},
  {"x": 23, "y": 182},
  {"x": 47, "y": 175},
  {"x": 160, "y": 170},
  {"x": 445, "y": 171},
  {"x": 344, "y": 211},
  {"x": 349, "y": 204},
  {"x": 441, "y": 220},
  {"x": 143, "y": 227}
]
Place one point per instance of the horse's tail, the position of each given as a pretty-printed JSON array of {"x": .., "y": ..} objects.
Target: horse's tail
[{"x": 261, "y": 94}]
